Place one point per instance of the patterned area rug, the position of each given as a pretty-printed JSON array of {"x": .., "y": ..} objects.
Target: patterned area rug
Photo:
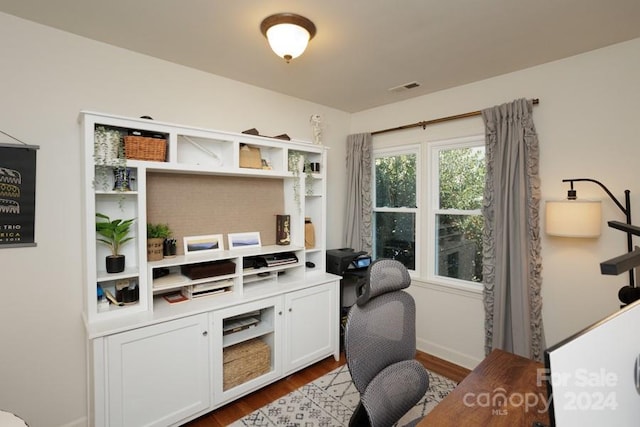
[{"x": 330, "y": 400}]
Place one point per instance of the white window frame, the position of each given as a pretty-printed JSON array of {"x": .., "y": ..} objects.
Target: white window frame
[
  {"x": 414, "y": 149},
  {"x": 432, "y": 208}
]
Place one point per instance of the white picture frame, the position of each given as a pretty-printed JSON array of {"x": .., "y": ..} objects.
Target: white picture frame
[
  {"x": 244, "y": 240},
  {"x": 203, "y": 244}
]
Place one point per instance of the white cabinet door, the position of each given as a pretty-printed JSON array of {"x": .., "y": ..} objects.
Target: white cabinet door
[
  {"x": 311, "y": 325},
  {"x": 158, "y": 375},
  {"x": 257, "y": 320}
]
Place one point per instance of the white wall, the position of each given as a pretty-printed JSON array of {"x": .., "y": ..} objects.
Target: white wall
[
  {"x": 47, "y": 77},
  {"x": 587, "y": 124}
]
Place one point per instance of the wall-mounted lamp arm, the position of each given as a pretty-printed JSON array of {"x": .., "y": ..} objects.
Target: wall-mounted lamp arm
[
  {"x": 628, "y": 228},
  {"x": 621, "y": 264},
  {"x": 625, "y": 209}
]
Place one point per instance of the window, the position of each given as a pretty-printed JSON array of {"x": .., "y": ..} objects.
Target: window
[
  {"x": 450, "y": 211},
  {"x": 458, "y": 173},
  {"x": 395, "y": 207}
]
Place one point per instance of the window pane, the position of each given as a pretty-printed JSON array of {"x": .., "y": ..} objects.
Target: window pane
[
  {"x": 395, "y": 237},
  {"x": 396, "y": 181},
  {"x": 459, "y": 247},
  {"x": 462, "y": 172}
]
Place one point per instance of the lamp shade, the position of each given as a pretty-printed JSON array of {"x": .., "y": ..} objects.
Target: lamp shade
[
  {"x": 288, "y": 34},
  {"x": 573, "y": 218},
  {"x": 288, "y": 40}
]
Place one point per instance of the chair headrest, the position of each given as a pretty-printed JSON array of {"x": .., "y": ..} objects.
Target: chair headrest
[{"x": 383, "y": 276}]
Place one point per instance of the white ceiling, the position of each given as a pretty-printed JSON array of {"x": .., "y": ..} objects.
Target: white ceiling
[{"x": 362, "y": 47}]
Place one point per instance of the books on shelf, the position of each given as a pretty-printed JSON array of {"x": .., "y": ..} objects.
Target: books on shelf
[
  {"x": 239, "y": 325},
  {"x": 209, "y": 288},
  {"x": 279, "y": 259},
  {"x": 270, "y": 260},
  {"x": 260, "y": 277},
  {"x": 241, "y": 322},
  {"x": 169, "y": 281}
]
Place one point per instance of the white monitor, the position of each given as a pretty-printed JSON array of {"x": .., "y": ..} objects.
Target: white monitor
[{"x": 594, "y": 375}]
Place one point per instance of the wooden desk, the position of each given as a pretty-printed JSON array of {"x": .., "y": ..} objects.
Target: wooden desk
[{"x": 500, "y": 391}]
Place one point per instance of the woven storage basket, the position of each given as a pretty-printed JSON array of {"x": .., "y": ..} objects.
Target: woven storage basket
[
  {"x": 245, "y": 361},
  {"x": 143, "y": 148}
]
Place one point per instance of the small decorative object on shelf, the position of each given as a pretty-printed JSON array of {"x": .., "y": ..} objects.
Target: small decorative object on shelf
[
  {"x": 114, "y": 234},
  {"x": 254, "y": 131},
  {"x": 127, "y": 291},
  {"x": 250, "y": 157},
  {"x": 309, "y": 234},
  {"x": 175, "y": 297},
  {"x": 103, "y": 302},
  {"x": 283, "y": 229},
  {"x": 122, "y": 179},
  {"x": 170, "y": 248},
  {"x": 316, "y": 127},
  {"x": 203, "y": 244},
  {"x": 244, "y": 240},
  {"x": 156, "y": 235}
]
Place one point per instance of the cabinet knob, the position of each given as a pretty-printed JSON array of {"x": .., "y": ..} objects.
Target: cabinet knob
[
  {"x": 205, "y": 333},
  {"x": 280, "y": 313},
  {"x": 290, "y": 309}
]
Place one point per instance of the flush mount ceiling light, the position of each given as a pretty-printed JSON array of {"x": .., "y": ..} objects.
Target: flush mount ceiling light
[{"x": 288, "y": 34}]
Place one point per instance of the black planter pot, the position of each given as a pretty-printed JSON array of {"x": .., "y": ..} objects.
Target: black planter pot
[{"x": 115, "y": 263}]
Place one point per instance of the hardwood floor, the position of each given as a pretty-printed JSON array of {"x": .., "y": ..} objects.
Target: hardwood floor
[
  {"x": 235, "y": 410},
  {"x": 442, "y": 367}
]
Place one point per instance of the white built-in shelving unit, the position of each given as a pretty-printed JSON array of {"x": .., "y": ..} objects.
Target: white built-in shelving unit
[{"x": 172, "y": 354}]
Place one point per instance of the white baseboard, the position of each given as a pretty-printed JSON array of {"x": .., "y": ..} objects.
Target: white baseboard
[
  {"x": 450, "y": 355},
  {"x": 80, "y": 422}
]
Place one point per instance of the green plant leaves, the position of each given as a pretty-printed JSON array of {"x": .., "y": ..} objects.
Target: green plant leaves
[{"x": 114, "y": 232}]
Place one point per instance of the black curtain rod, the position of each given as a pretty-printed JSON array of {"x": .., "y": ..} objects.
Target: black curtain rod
[{"x": 425, "y": 123}]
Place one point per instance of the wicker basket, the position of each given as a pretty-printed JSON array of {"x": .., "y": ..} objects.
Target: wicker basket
[
  {"x": 245, "y": 361},
  {"x": 143, "y": 148}
]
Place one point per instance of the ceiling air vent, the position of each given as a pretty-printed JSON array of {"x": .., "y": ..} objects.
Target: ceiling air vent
[{"x": 403, "y": 87}]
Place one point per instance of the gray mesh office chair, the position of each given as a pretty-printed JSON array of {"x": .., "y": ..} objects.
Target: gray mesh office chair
[{"x": 380, "y": 347}]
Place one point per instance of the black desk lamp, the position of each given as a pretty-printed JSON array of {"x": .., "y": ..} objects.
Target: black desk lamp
[{"x": 579, "y": 215}]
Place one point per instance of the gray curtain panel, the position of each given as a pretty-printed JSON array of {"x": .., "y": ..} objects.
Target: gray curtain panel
[
  {"x": 511, "y": 258},
  {"x": 358, "y": 233}
]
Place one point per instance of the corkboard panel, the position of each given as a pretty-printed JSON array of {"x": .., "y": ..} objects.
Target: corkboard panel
[{"x": 195, "y": 205}]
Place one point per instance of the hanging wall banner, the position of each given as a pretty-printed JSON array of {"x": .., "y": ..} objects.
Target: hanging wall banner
[{"x": 17, "y": 195}]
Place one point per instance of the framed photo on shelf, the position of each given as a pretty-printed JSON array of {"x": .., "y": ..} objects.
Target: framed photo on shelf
[
  {"x": 203, "y": 244},
  {"x": 244, "y": 240}
]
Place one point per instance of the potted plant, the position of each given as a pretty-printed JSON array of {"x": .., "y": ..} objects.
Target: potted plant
[
  {"x": 114, "y": 234},
  {"x": 109, "y": 158},
  {"x": 297, "y": 162},
  {"x": 308, "y": 177},
  {"x": 156, "y": 235}
]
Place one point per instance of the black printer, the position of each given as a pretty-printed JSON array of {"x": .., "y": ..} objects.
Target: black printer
[{"x": 340, "y": 260}]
